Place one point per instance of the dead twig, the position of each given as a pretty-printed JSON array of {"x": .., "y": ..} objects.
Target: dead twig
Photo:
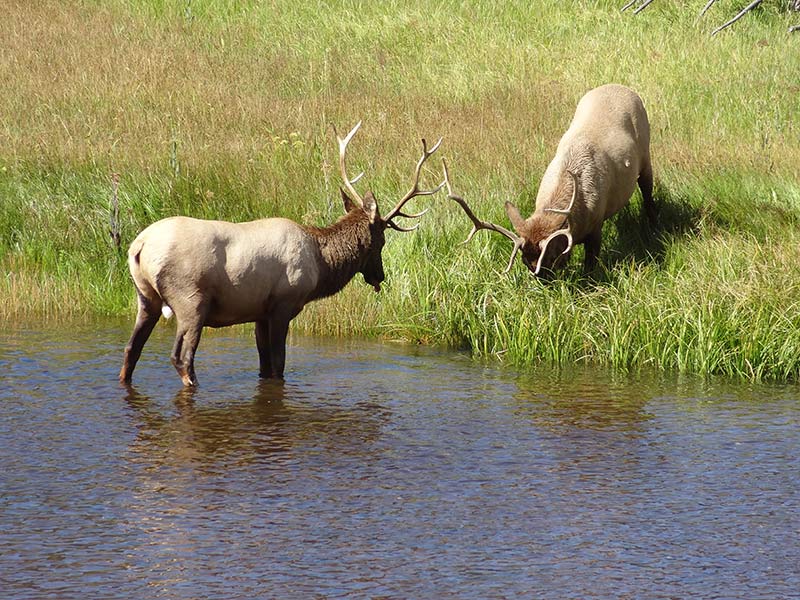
[
  {"x": 113, "y": 213},
  {"x": 706, "y": 7},
  {"x": 744, "y": 11},
  {"x": 639, "y": 8}
]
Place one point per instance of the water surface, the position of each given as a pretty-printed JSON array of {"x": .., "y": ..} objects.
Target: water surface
[{"x": 384, "y": 471}]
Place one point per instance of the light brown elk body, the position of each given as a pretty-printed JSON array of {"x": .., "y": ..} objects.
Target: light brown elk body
[
  {"x": 215, "y": 273},
  {"x": 598, "y": 162}
]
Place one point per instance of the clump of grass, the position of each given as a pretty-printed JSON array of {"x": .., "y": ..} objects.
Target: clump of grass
[{"x": 223, "y": 110}]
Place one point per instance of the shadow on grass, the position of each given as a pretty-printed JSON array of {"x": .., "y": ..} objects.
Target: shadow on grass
[{"x": 631, "y": 236}]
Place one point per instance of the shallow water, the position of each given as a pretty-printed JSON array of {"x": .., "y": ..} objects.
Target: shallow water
[{"x": 384, "y": 471}]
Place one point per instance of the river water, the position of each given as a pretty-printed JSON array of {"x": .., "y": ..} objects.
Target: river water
[{"x": 384, "y": 471}]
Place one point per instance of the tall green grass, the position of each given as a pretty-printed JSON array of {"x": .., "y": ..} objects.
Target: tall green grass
[{"x": 222, "y": 109}]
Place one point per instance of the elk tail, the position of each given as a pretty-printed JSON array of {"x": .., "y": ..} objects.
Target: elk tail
[{"x": 142, "y": 281}]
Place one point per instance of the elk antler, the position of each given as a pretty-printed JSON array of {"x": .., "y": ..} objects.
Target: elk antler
[
  {"x": 414, "y": 191},
  {"x": 477, "y": 224},
  {"x": 566, "y": 211},
  {"x": 547, "y": 240},
  {"x": 564, "y": 231},
  {"x": 348, "y": 183}
]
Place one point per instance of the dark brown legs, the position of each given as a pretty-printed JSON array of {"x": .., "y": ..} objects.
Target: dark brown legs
[
  {"x": 264, "y": 354},
  {"x": 646, "y": 186},
  {"x": 271, "y": 344},
  {"x": 591, "y": 247},
  {"x": 270, "y": 340},
  {"x": 146, "y": 319}
]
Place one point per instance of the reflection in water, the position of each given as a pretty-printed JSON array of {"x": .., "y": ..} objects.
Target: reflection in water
[
  {"x": 192, "y": 433},
  {"x": 385, "y": 471},
  {"x": 584, "y": 399},
  {"x": 261, "y": 428}
]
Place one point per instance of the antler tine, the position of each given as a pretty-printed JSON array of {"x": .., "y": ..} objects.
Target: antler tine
[
  {"x": 477, "y": 224},
  {"x": 414, "y": 216},
  {"x": 565, "y": 231},
  {"x": 415, "y": 191},
  {"x": 547, "y": 240},
  {"x": 566, "y": 211},
  {"x": 397, "y": 227},
  {"x": 517, "y": 245},
  {"x": 348, "y": 183}
]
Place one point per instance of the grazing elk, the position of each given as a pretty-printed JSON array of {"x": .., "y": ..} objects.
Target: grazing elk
[
  {"x": 598, "y": 162},
  {"x": 215, "y": 273}
]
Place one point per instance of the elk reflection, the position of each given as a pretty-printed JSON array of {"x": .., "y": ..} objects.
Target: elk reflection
[
  {"x": 585, "y": 402},
  {"x": 591, "y": 427},
  {"x": 275, "y": 424}
]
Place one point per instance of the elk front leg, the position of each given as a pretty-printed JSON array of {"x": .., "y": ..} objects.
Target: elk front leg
[
  {"x": 591, "y": 247},
  {"x": 264, "y": 349},
  {"x": 146, "y": 319},
  {"x": 278, "y": 329}
]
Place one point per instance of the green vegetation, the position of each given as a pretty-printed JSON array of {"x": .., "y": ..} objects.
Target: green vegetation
[{"x": 222, "y": 109}]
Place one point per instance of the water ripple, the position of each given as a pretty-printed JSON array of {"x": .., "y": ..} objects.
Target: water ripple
[{"x": 385, "y": 471}]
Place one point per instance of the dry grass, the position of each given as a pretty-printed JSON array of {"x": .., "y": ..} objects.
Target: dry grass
[{"x": 107, "y": 84}]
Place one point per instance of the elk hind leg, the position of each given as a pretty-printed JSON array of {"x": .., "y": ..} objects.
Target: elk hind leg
[
  {"x": 187, "y": 339},
  {"x": 591, "y": 246},
  {"x": 278, "y": 329},
  {"x": 146, "y": 319}
]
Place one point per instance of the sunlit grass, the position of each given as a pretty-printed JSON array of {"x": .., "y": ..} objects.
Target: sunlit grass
[{"x": 223, "y": 109}]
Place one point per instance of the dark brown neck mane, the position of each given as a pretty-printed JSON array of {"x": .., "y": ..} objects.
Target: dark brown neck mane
[{"x": 343, "y": 247}]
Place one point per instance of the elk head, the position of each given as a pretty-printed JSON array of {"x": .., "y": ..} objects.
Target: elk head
[
  {"x": 354, "y": 203},
  {"x": 543, "y": 247}
]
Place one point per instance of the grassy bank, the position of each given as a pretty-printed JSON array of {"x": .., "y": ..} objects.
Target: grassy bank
[{"x": 223, "y": 110}]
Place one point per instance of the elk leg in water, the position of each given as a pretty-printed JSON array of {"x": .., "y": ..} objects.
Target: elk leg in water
[
  {"x": 278, "y": 328},
  {"x": 264, "y": 351},
  {"x": 146, "y": 319},
  {"x": 186, "y": 340}
]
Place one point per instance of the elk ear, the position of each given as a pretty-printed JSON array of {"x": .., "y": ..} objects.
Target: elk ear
[
  {"x": 348, "y": 201},
  {"x": 371, "y": 207},
  {"x": 516, "y": 219}
]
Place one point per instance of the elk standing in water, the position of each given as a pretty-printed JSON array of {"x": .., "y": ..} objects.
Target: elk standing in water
[
  {"x": 599, "y": 161},
  {"x": 215, "y": 273}
]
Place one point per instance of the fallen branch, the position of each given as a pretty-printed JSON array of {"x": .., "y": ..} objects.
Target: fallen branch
[
  {"x": 706, "y": 7},
  {"x": 113, "y": 212},
  {"x": 794, "y": 5},
  {"x": 639, "y": 9},
  {"x": 744, "y": 11}
]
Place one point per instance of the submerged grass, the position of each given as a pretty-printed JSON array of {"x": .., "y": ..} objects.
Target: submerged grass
[{"x": 222, "y": 109}]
